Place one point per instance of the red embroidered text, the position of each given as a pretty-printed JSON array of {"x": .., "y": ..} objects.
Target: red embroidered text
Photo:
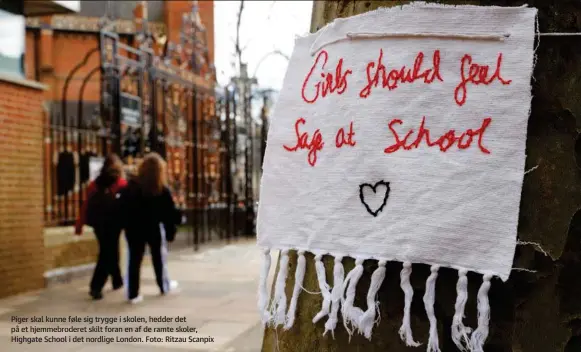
[
  {"x": 476, "y": 74},
  {"x": 445, "y": 142},
  {"x": 340, "y": 137},
  {"x": 376, "y": 73},
  {"x": 330, "y": 83},
  {"x": 315, "y": 145}
]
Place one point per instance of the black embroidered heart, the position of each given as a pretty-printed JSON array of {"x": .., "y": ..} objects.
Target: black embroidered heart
[{"x": 374, "y": 201}]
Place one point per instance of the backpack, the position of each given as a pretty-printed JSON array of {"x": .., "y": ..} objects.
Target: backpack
[{"x": 101, "y": 207}]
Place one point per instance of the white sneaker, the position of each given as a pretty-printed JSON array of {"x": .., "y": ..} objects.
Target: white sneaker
[
  {"x": 136, "y": 300},
  {"x": 172, "y": 287}
]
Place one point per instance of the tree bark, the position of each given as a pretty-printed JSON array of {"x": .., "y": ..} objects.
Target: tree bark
[{"x": 532, "y": 312}]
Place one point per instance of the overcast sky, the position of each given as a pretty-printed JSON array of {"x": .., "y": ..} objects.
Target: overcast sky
[
  {"x": 11, "y": 35},
  {"x": 266, "y": 26}
]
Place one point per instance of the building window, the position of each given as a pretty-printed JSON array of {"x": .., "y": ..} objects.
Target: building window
[{"x": 12, "y": 41}]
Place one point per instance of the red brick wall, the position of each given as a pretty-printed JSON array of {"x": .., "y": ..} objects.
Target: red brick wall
[
  {"x": 207, "y": 16},
  {"x": 173, "y": 18},
  {"x": 21, "y": 189},
  {"x": 68, "y": 51}
]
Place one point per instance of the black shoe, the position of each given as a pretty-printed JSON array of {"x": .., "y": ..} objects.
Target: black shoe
[
  {"x": 96, "y": 295},
  {"x": 117, "y": 287}
]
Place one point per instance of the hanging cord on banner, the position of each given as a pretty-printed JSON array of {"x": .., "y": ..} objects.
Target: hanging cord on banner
[
  {"x": 468, "y": 36},
  {"x": 557, "y": 34}
]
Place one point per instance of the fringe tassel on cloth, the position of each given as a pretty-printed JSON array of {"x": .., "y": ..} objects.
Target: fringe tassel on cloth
[
  {"x": 299, "y": 277},
  {"x": 342, "y": 297},
  {"x": 278, "y": 308},
  {"x": 367, "y": 320},
  {"x": 321, "y": 277},
  {"x": 480, "y": 335},
  {"x": 351, "y": 314},
  {"x": 459, "y": 331},
  {"x": 405, "y": 331},
  {"x": 262, "y": 290},
  {"x": 429, "y": 298},
  {"x": 338, "y": 277}
]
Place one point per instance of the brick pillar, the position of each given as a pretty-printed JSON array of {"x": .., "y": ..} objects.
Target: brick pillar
[
  {"x": 21, "y": 188},
  {"x": 46, "y": 56}
]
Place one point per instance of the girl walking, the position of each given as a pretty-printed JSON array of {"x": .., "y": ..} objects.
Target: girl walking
[
  {"x": 149, "y": 217},
  {"x": 100, "y": 212}
]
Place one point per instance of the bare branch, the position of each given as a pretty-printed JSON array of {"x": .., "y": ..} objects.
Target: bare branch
[
  {"x": 238, "y": 50},
  {"x": 282, "y": 54},
  {"x": 270, "y": 10},
  {"x": 274, "y": 52},
  {"x": 246, "y": 45}
]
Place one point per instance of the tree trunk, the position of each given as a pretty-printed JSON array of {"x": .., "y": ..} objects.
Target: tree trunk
[{"x": 532, "y": 312}]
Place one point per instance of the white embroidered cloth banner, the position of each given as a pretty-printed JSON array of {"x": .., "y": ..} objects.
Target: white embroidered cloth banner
[{"x": 399, "y": 135}]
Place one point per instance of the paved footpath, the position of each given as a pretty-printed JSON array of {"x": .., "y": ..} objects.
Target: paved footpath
[{"x": 217, "y": 297}]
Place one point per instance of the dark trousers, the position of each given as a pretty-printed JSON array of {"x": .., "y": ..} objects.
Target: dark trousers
[
  {"x": 108, "y": 260},
  {"x": 136, "y": 246}
]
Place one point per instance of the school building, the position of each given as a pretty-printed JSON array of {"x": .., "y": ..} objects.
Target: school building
[{"x": 80, "y": 79}]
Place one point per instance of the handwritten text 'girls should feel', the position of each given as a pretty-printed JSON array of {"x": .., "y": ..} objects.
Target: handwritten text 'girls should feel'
[{"x": 321, "y": 82}]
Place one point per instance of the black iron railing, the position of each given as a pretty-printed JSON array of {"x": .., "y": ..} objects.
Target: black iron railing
[{"x": 150, "y": 102}]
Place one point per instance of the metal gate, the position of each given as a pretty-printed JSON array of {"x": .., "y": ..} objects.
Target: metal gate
[
  {"x": 162, "y": 101},
  {"x": 244, "y": 139}
]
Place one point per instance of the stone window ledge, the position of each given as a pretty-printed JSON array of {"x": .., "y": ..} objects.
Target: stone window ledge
[{"x": 6, "y": 77}]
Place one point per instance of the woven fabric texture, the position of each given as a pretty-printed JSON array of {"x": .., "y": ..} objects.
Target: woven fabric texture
[{"x": 448, "y": 194}]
